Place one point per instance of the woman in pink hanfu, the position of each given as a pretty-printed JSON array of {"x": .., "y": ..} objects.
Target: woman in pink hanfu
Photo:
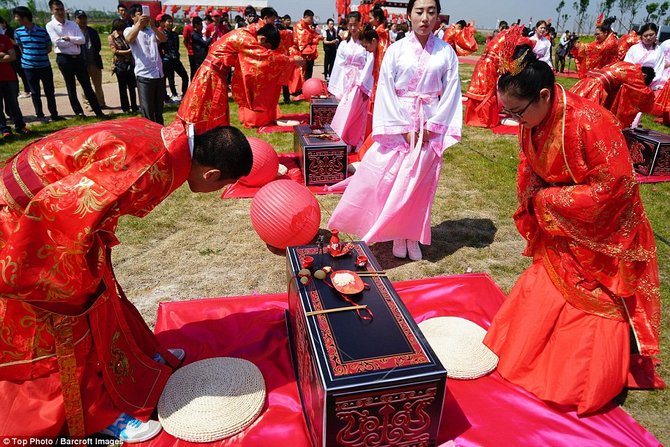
[
  {"x": 350, "y": 82},
  {"x": 418, "y": 114}
]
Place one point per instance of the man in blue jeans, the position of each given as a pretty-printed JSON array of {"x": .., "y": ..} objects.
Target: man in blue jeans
[
  {"x": 143, "y": 38},
  {"x": 35, "y": 47}
]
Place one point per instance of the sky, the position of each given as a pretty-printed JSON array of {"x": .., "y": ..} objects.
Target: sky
[{"x": 485, "y": 13}]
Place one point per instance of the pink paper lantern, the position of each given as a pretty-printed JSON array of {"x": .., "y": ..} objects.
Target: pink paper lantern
[
  {"x": 313, "y": 87},
  {"x": 265, "y": 166},
  {"x": 285, "y": 213}
]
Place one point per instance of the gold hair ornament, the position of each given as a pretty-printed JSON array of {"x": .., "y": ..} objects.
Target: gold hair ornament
[{"x": 515, "y": 66}]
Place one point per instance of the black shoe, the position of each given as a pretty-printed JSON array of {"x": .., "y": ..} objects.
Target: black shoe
[
  {"x": 23, "y": 131},
  {"x": 57, "y": 118},
  {"x": 80, "y": 115}
]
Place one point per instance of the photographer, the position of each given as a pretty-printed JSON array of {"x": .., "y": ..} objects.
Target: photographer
[{"x": 562, "y": 50}]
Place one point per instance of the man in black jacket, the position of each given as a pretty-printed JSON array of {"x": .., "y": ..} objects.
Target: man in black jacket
[{"x": 90, "y": 52}]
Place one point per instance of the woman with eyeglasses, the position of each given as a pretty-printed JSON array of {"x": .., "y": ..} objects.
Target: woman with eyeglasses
[
  {"x": 564, "y": 331},
  {"x": 417, "y": 115},
  {"x": 648, "y": 53},
  {"x": 599, "y": 53}
]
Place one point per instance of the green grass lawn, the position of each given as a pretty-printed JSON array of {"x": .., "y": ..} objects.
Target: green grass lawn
[{"x": 472, "y": 228}]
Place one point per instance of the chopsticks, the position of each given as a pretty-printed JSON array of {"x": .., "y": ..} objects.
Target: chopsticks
[
  {"x": 336, "y": 309},
  {"x": 379, "y": 273}
]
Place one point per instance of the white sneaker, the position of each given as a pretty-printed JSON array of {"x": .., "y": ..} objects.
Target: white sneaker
[
  {"x": 128, "y": 429},
  {"x": 400, "y": 248},
  {"x": 24, "y": 95},
  {"x": 413, "y": 250}
]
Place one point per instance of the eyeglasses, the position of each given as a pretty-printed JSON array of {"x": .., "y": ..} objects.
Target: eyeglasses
[{"x": 517, "y": 116}]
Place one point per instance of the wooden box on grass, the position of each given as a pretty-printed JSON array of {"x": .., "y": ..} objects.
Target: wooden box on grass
[
  {"x": 323, "y": 155},
  {"x": 361, "y": 382},
  {"x": 650, "y": 151},
  {"x": 322, "y": 109}
]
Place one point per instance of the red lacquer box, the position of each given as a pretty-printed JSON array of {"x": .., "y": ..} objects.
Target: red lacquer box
[
  {"x": 362, "y": 382},
  {"x": 650, "y": 151}
]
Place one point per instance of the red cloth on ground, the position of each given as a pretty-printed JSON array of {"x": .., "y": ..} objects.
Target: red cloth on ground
[
  {"x": 485, "y": 411},
  {"x": 273, "y": 128},
  {"x": 292, "y": 163}
]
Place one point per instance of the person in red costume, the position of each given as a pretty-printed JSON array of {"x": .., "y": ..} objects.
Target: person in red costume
[
  {"x": 586, "y": 313},
  {"x": 75, "y": 354},
  {"x": 625, "y": 42},
  {"x": 250, "y": 53},
  {"x": 621, "y": 87},
  {"x": 599, "y": 53},
  {"x": 307, "y": 41},
  {"x": 482, "y": 108},
  {"x": 461, "y": 37}
]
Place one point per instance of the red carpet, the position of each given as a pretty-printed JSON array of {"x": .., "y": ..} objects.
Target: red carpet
[
  {"x": 292, "y": 162},
  {"x": 501, "y": 129},
  {"x": 568, "y": 74},
  {"x": 652, "y": 178},
  {"x": 482, "y": 412},
  {"x": 302, "y": 117}
]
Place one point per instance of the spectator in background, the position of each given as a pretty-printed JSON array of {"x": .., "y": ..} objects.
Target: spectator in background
[
  {"x": 170, "y": 56},
  {"x": 250, "y": 15},
  {"x": 8, "y": 31},
  {"x": 286, "y": 22},
  {"x": 240, "y": 22},
  {"x": 124, "y": 66},
  {"x": 393, "y": 32},
  {"x": 439, "y": 32},
  {"x": 90, "y": 52},
  {"x": 35, "y": 47},
  {"x": 402, "y": 29},
  {"x": 9, "y": 90},
  {"x": 68, "y": 40},
  {"x": 330, "y": 42},
  {"x": 200, "y": 44},
  {"x": 122, "y": 11},
  {"x": 187, "y": 35},
  {"x": 217, "y": 29},
  {"x": 143, "y": 38},
  {"x": 307, "y": 39}
]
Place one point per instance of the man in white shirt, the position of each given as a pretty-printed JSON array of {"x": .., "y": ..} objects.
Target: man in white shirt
[
  {"x": 68, "y": 39},
  {"x": 143, "y": 38}
]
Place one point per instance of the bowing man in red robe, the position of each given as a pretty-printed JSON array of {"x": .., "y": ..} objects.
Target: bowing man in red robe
[
  {"x": 250, "y": 52},
  {"x": 461, "y": 36},
  {"x": 582, "y": 322},
  {"x": 75, "y": 354},
  {"x": 622, "y": 88}
]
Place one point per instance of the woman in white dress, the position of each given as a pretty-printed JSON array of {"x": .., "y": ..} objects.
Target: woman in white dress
[
  {"x": 349, "y": 83},
  {"x": 418, "y": 114},
  {"x": 542, "y": 48},
  {"x": 648, "y": 53}
]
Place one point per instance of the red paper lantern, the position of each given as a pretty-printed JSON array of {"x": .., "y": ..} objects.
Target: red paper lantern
[
  {"x": 285, "y": 213},
  {"x": 313, "y": 87},
  {"x": 265, "y": 166}
]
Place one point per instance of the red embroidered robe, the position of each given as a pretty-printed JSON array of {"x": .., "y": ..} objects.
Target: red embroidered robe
[
  {"x": 74, "y": 352},
  {"x": 581, "y": 212},
  {"x": 620, "y": 88},
  {"x": 595, "y": 55}
]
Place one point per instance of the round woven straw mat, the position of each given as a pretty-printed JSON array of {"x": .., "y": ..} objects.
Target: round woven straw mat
[
  {"x": 457, "y": 342},
  {"x": 211, "y": 399}
]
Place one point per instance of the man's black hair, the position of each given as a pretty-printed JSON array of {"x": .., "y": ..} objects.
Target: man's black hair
[
  {"x": 23, "y": 12},
  {"x": 249, "y": 11},
  {"x": 224, "y": 148},
  {"x": 308, "y": 13},
  {"x": 55, "y": 2},
  {"x": 134, "y": 9},
  {"x": 271, "y": 35},
  {"x": 649, "y": 74},
  {"x": 196, "y": 21},
  {"x": 269, "y": 12}
]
